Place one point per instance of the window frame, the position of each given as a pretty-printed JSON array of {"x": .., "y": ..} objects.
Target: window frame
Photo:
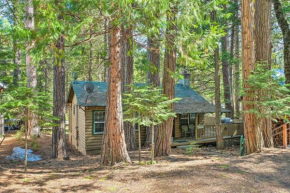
[
  {"x": 93, "y": 122},
  {"x": 183, "y": 118}
]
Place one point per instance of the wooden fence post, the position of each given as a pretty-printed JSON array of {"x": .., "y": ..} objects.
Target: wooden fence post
[{"x": 285, "y": 136}]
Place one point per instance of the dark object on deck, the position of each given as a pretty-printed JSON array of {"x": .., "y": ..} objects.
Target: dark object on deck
[
  {"x": 181, "y": 141},
  {"x": 242, "y": 146},
  {"x": 226, "y": 120}
]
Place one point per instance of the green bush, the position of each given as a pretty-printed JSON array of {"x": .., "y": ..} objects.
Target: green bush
[
  {"x": 20, "y": 134},
  {"x": 34, "y": 144}
]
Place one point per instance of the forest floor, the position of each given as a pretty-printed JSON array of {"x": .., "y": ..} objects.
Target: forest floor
[{"x": 205, "y": 170}]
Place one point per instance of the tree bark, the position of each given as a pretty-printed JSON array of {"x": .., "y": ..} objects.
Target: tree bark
[
  {"x": 217, "y": 78},
  {"x": 107, "y": 50},
  {"x": 248, "y": 63},
  {"x": 164, "y": 131},
  {"x": 59, "y": 105},
  {"x": 91, "y": 60},
  {"x": 128, "y": 62},
  {"x": 237, "y": 65},
  {"x": 16, "y": 72},
  {"x": 153, "y": 57},
  {"x": 114, "y": 148},
  {"x": 33, "y": 128},
  {"x": 284, "y": 26},
  {"x": 263, "y": 56},
  {"x": 233, "y": 33},
  {"x": 228, "y": 96}
]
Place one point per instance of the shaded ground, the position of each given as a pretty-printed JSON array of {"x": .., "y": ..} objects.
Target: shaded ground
[{"x": 206, "y": 170}]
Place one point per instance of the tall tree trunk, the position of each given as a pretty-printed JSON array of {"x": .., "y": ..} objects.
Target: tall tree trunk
[
  {"x": 248, "y": 63},
  {"x": 226, "y": 74},
  {"x": 217, "y": 78},
  {"x": 16, "y": 72},
  {"x": 284, "y": 25},
  {"x": 90, "y": 59},
  {"x": 263, "y": 56},
  {"x": 58, "y": 135},
  {"x": 232, "y": 45},
  {"x": 128, "y": 62},
  {"x": 107, "y": 50},
  {"x": 237, "y": 65},
  {"x": 153, "y": 58},
  {"x": 46, "y": 76},
  {"x": 114, "y": 148},
  {"x": 164, "y": 131},
  {"x": 33, "y": 128}
]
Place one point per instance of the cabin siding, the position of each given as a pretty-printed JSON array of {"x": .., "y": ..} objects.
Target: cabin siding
[
  {"x": 74, "y": 123},
  {"x": 93, "y": 141},
  {"x": 143, "y": 135},
  {"x": 77, "y": 134},
  {"x": 177, "y": 127},
  {"x": 82, "y": 131},
  {"x": 201, "y": 119},
  {"x": 70, "y": 123}
]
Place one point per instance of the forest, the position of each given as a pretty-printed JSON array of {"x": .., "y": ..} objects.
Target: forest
[{"x": 144, "y": 95}]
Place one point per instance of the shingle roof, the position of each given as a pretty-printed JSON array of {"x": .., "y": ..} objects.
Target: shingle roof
[{"x": 191, "y": 101}]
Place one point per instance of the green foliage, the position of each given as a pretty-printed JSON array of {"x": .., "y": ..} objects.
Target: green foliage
[
  {"x": 20, "y": 134},
  {"x": 16, "y": 101},
  {"x": 147, "y": 106},
  {"x": 34, "y": 144},
  {"x": 270, "y": 98},
  {"x": 192, "y": 149}
]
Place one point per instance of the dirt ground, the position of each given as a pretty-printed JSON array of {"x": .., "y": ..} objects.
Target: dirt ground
[{"x": 205, "y": 171}]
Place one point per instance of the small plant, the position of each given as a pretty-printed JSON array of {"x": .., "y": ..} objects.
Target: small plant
[
  {"x": 26, "y": 180},
  {"x": 113, "y": 189},
  {"x": 89, "y": 177},
  {"x": 224, "y": 176},
  {"x": 34, "y": 144},
  {"x": 52, "y": 174},
  {"x": 150, "y": 163},
  {"x": 103, "y": 179},
  {"x": 141, "y": 163},
  {"x": 20, "y": 134},
  {"x": 76, "y": 173},
  {"x": 224, "y": 166},
  {"x": 192, "y": 149}
]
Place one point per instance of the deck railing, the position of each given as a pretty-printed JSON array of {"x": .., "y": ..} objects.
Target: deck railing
[
  {"x": 208, "y": 131},
  {"x": 204, "y": 132},
  {"x": 281, "y": 135}
]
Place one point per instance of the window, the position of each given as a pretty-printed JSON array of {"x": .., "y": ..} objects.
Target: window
[
  {"x": 184, "y": 119},
  {"x": 74, "y": 110},
  {"x": 192, "y": 119},
  {"x": 98, "y": 122},
  {"x": 136, "y": 127}
]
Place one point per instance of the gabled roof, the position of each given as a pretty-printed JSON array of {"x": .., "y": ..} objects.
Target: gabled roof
[{"x": 191, "y": 101}]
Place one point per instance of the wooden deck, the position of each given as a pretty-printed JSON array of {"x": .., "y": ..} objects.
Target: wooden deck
[{"x": 191, "y": 141}]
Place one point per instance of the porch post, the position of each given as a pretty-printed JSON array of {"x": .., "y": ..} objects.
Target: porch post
[{"x": 285, "y": 136}]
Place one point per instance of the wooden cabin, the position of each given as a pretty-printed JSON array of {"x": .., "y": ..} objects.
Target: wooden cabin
[{"x": 87, "y": 114}]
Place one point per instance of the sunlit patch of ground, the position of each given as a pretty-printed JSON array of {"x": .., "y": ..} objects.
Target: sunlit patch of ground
[{"x": 206, "y": 170}]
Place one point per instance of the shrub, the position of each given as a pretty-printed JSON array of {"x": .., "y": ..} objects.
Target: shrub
[{"x": 34, "y": 144}]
